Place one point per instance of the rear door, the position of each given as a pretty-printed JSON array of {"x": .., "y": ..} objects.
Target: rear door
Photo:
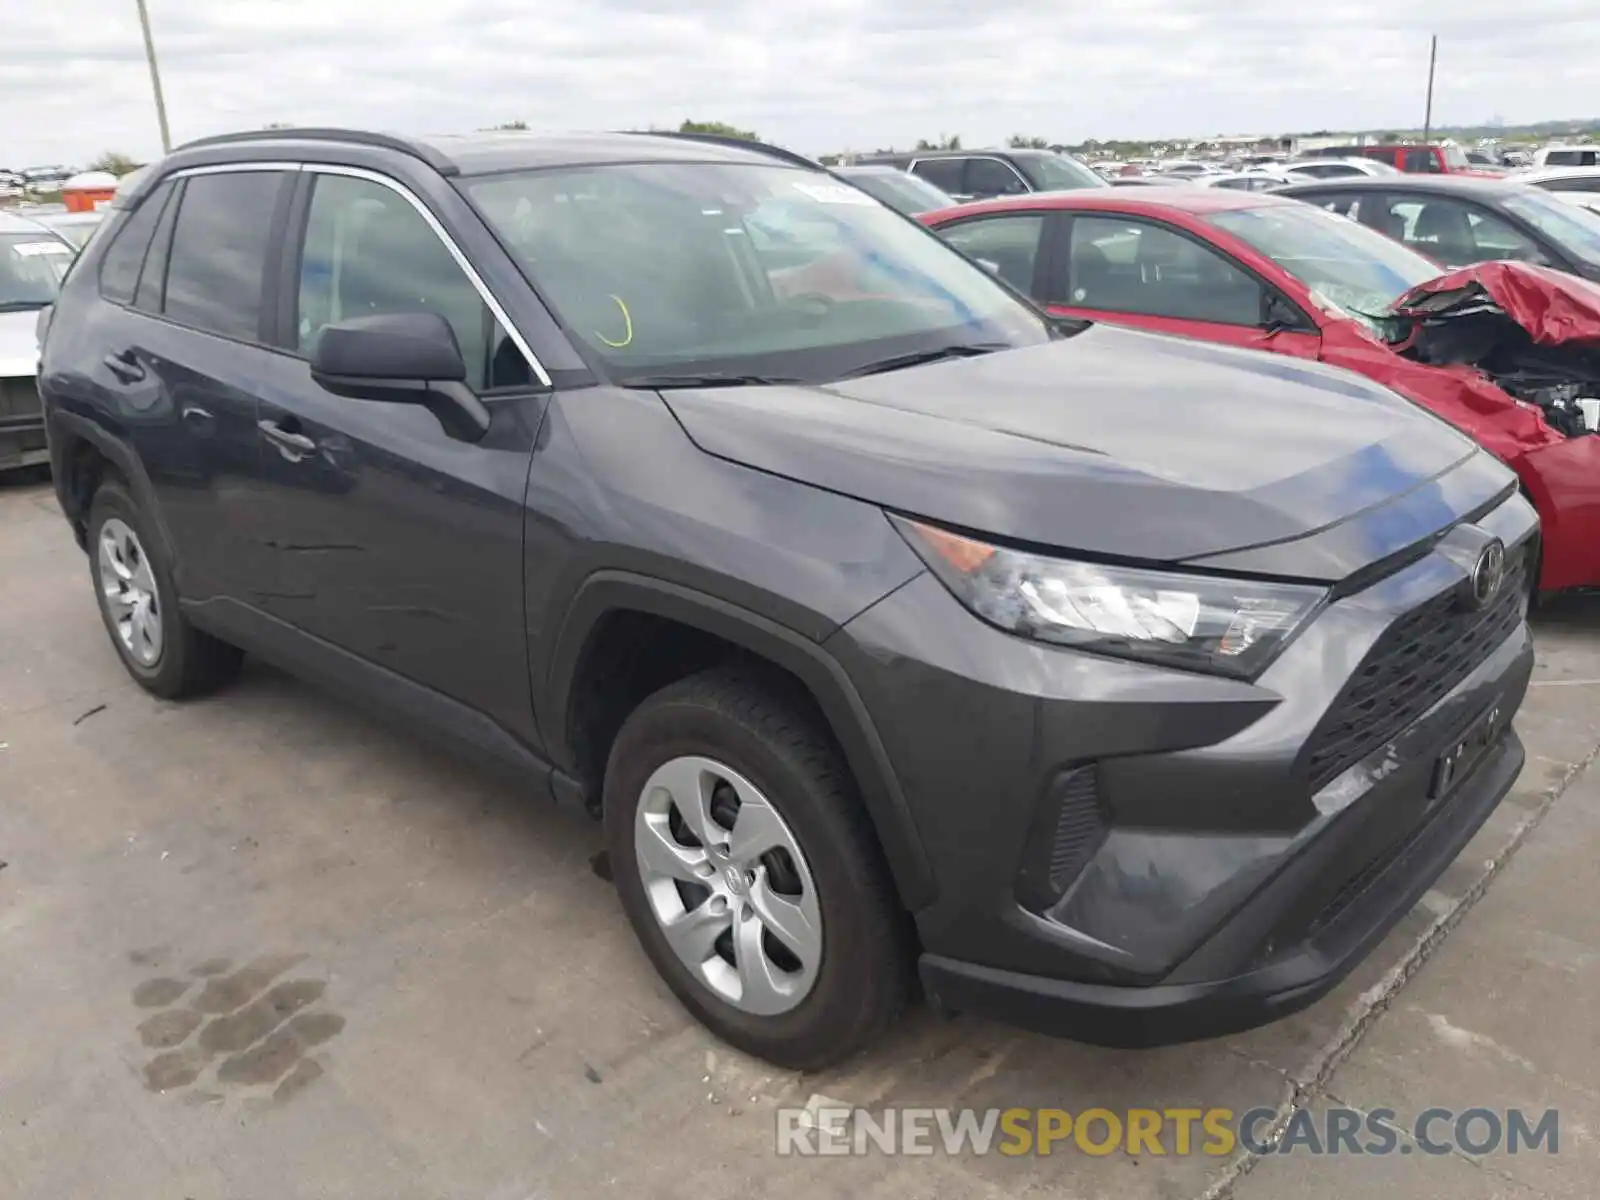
[
  {"x": 1134, "y": 271},
  {"x": 184, "y": 356},
  {"x": 390, "y": 539}
]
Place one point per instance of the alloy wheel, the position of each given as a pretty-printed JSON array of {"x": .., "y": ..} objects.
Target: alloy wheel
[
  {"x": 133, "y": 601},
  {"x": 727, "y": 882}
]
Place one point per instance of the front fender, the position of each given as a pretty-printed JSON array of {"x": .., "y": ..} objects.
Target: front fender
[{"x": 611, "y": 591}]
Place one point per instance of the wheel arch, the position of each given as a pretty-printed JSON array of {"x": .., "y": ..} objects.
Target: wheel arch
[{"x": 606, "y": 594}]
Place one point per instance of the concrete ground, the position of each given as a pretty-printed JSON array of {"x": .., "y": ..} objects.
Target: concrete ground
[{"x": 265, "y": 946}]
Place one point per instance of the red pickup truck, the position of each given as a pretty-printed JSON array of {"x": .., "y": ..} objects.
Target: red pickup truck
[
  {"x": 1424, "y": 160},
  {"x": 1410, "y": 158}
]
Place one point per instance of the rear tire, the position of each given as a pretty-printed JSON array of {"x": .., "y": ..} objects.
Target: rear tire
[
  {"x": 842, "y": 969},
  {"x": 166, "y": 655}
]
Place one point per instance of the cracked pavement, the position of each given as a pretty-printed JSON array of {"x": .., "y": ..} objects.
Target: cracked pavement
[{"x": 482, "y": 1023}]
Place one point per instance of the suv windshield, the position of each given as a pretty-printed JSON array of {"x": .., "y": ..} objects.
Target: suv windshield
[
  {"x": 1455, "y": 158},
  {"x": 758, "y": 273},
  {"x": 1051, "y": 172},
  {"x": 1576, "y": 230},
  {"x": 1349, "y": 268},
  {"x": 32, "y": 266}
]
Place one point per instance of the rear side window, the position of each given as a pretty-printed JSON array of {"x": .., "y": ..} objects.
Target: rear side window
[
  {"x": 119, "y": 269},
  {"x": 219, "y": 251},
  {"x": 943, "y": 173}
]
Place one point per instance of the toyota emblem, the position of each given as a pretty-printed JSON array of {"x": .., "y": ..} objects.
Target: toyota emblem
[{"x": 1488, "y": 573}]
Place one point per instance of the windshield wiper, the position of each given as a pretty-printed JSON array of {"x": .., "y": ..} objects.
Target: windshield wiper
[
  {"x": 23, "y": 305},
  {"x": 918, "y": 357},
  {"x": 660, "y": 382}
]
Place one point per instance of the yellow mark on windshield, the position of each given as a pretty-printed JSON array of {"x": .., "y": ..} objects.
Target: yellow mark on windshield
[{"x": 627, "y": 323}]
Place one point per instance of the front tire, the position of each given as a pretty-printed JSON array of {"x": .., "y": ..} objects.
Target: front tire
[
  {"x": 166, "y": 655},
  {"x": 750, "y": 873}
]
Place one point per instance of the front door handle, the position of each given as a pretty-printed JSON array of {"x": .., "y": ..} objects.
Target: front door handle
[
  {"x": 125, "y": 366},
  {"x": 293, "y": 446}
]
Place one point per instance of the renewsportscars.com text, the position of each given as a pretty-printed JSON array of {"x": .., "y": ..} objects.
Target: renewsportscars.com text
[{"x": 825, "y": 1129}]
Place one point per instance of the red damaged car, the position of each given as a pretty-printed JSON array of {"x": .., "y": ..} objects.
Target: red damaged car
[{"x": 1507, "y": 352}]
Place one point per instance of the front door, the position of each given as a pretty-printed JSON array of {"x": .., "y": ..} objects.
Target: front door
[
  {"x": 1131, "y": 271},
  {"x": 389, "y": 538}
]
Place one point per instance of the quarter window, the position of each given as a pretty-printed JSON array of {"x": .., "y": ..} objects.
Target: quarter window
[
  {"x": 219, "y": 251},
  {"x": 368, "y": 252},
  {"x": 1133, "y": 267},
  {"x": 119, "y": 269}
]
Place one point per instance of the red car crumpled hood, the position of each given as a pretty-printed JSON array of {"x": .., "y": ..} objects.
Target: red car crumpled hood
[
  {"x": 1486, "y": 348},
  {"x": 1555, "y": 308}
]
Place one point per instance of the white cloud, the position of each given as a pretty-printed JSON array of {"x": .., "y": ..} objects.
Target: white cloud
[{"x": 818, "y": 75}]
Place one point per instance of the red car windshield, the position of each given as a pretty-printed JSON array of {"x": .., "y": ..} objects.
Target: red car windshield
[{"x": 1350, "y": 269}]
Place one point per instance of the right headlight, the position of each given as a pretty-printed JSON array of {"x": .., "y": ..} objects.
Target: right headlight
[{"x": 1209, "y": 623}]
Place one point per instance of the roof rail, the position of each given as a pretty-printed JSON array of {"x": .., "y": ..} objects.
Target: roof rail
[
  {"x": 359, "y": 137},
  {"x": 737, "y": 143}
]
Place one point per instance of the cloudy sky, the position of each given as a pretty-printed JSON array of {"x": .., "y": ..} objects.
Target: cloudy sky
[{"x": 818, "y": 75}]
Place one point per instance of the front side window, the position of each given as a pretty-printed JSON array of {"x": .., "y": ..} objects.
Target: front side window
[
  {"x": 687, "y": 269},
  {"x": 1574, "y": 229},
  {"x": 32, "y": 266},
  {"x": 1420, "y": 162},
  {"x": 1457, "y": 234},
  {"x": 368, "y": 252},
  {"x": 991, "y": 177},
  {"x": 218, "y": 259},
  {"x": 1348, "y": 267},
  {"x": 1123, "y": 265},
  {"x": 1007, "y": 245}
]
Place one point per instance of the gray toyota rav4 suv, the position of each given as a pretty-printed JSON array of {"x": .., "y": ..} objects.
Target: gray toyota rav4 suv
[{"x": 1121, "y": 686}]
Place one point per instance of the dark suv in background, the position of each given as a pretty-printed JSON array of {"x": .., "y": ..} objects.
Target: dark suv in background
[
  {"x": 983, "y": 174},
  {"x": 883, "y": 621}
]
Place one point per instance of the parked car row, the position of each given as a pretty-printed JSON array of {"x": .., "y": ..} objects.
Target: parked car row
[
  {"x": 33, "y": 261},
  {"x": 1124, "y": 686}
]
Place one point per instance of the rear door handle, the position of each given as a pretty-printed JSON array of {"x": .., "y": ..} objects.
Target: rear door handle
[
  {"x": 124, "y": 366},
  {"x": 293, "y": 446}
]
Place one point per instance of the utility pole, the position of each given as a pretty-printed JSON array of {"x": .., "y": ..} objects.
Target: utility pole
[
  {"x": 155, "y": 76},
  {"x": 1427, "y": 120}
]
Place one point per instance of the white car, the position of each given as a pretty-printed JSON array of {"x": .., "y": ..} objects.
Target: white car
[
  {"x": 1335, "y": 168},
  {"x": 1560, "y": 179},
  {"x": 33, "y": 261},
  {"x": 1567, "y": 156},
  {"x": 1253, "y": 180}
]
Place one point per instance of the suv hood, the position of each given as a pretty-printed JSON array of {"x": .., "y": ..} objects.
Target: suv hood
[
  {"x": 19, "y": 346},
  {"x": 1121, "y": 444}
]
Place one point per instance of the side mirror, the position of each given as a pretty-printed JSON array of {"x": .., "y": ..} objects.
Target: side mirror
[{"x": 401, "y": 358}]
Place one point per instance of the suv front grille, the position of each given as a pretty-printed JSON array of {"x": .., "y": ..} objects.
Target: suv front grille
[
  {"x": 1413, "y": 666},
  {"x": 19, "y": 396}
]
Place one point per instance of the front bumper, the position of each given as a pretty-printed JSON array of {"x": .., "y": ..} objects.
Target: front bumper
[
  {"x": 1281, "y": 984},
  {"x": 1133, "y": 855},
  {"x": 22, "y": 436}
]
